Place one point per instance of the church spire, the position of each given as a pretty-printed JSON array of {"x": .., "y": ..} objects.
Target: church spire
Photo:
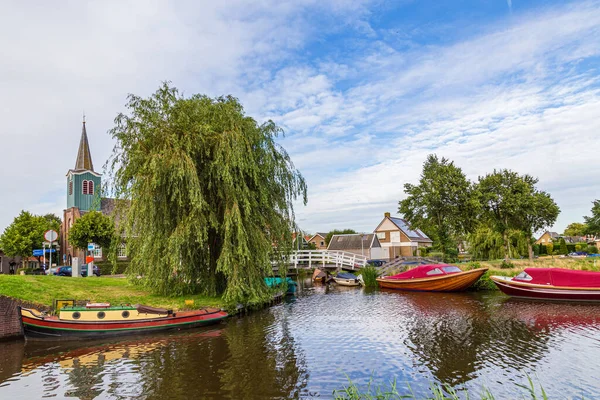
[{"x": 84, "y": 157}]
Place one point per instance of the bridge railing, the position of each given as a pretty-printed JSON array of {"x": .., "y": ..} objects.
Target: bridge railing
[{"x": 316, "y": 258}]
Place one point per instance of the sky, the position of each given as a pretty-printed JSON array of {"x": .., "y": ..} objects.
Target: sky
[{"x": 364, "y": 90}]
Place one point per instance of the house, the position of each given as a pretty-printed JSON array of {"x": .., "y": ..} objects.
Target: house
[
  {"x": 365, "y": 244},
  {"x": 397, "y": 239},
  {"x": 7, "y": 262},
  {"x": 318, "y": 239},
  {"x": 547, "y": 238}
]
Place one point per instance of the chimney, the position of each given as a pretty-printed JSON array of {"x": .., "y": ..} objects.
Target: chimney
[{"x": 387, "y": 214}]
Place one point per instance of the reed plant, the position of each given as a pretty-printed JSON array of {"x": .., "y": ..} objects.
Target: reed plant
[
  {"x": 438, "y": 392},
  {"x": 369, "y": 275}
]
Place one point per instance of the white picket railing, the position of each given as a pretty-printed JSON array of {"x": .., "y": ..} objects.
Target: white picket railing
[{"x": 316, "y": 258}]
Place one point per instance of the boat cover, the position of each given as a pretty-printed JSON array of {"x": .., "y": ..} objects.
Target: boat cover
[
  {"x": 426, "y": 271},
  {"x": 346, "y": 275},
  {"x": 561, "y": 277},
  {"x": 151, "y": 310}
]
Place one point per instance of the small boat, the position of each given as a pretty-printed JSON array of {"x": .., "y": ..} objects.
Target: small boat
[
  {"x": 432, "y": 278},
  {"x": 277, "y": 281},
  {"x": 96, "y": 320},
  {"x": 551, "y": 284},
  {"x": 319, "y": 276},
  {"x": 346, "y": 279}
]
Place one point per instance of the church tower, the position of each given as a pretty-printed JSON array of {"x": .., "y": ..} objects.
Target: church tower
[
  {"x": 83, "y": 195},
  {"x": 83, "y": 183}
]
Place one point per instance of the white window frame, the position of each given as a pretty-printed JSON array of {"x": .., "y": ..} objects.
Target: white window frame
[
  {"x": 97, "y": 252},
  {"x": 122, "y": 251}
]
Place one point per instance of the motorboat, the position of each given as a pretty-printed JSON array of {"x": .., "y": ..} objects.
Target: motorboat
[
  {"x": 346, "y": 279},
  {"x": 551, "y": 284},
  {"x": 432, "y": 278}
]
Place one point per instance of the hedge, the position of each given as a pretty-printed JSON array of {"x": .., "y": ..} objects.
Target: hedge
[{"x": 106, "y": 267}]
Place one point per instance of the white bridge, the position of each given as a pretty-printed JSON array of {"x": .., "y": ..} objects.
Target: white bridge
[{"x": 324, "y": 258}]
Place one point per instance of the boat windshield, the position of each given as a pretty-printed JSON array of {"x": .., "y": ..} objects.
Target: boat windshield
[
  {"x": 523, "y": 276},
  {"x": 451, "y": 269},
  {"x": 435, "y": 271}
]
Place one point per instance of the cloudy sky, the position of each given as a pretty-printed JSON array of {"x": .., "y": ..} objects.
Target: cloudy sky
[{"x": 364, "y": 90}]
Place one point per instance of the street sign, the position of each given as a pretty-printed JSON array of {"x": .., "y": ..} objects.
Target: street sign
[
  {"x": 91, "y": 247},
  {"x": 50, "y": 236},
  {"x": 40, "y": 252}
]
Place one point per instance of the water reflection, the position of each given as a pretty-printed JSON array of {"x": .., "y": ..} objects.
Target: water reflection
[{"x": 305, "y": 347}]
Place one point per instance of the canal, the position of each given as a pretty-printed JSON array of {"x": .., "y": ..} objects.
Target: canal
[{"x": 306, "y": 346}]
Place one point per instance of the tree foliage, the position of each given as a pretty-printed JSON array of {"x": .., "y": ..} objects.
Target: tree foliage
[
  {"x": 593, "y": 222},
  {"x": 210, "y": 194},
  {"x": 443, "y": 204},
  {"x": 511, "y": 202},
  {"x": 575, "y": 229},
  {"x": 563, "y": 247},
  {"x": 487, "y": 244},
  {"x": 337, "y": 232},
  {"x": 26, "y": 233},
  {"x": 93, "y": 227}
]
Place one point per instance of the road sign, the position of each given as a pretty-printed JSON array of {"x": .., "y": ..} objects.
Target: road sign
[
  {"x": 91, "y": 247},
  {"x": 40, "y": 252},
  {"x": 50, "y": 235}
]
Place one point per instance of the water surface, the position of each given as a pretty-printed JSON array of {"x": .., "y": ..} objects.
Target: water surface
[{"x": 305, "y": 347}]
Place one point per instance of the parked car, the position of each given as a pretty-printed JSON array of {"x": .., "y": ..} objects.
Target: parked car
[{"x": 68, "y": 271}]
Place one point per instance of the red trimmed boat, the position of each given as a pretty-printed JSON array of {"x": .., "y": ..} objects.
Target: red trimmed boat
[
  {"x": 432, "y": 278},
  {"x": 552, "y": 284},
  {"x": 99, "y": 320}
]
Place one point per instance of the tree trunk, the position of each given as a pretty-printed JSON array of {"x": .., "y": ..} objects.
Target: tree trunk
[
  {"x": 530, "y": 248},
  {"x": 506, "y": 246}
]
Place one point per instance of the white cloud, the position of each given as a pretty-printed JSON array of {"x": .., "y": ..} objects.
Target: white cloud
[{"x": 359, "y": 122}]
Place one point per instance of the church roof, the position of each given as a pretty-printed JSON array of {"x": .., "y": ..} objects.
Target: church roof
[{"x": 84, "y": 157}]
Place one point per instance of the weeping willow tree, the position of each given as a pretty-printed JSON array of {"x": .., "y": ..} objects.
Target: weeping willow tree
[
  {"x": 210, "y": 194},
  {"x": 487, "y": 244}
]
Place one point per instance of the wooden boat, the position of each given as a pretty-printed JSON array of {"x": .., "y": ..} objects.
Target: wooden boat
[
  {"x": 552, "y": 284},
  {"x": 98, "y": 320},
  {"x": 319, "y": 276},
  {"x": 346, "y": 279},
  {"x": 432, "y": 278}
]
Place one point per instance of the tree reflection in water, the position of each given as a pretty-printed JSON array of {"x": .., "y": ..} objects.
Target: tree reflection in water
[{"x": 456, "y": 335}]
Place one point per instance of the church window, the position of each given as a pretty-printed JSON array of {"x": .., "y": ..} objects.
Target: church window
[
  {"x": 70, "y": 187},
  {"x": 90, "y": 187},
  {"x": 85, "y": 187}
]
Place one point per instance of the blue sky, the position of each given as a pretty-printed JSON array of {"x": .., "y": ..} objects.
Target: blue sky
[{"x": 364, "y": 90}]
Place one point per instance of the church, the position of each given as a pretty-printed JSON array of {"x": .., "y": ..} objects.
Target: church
[{"x": 83, "y": 195}]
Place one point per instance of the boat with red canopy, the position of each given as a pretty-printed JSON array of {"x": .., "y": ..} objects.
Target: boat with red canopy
[
  {"x": 552, "y": 284},
  {"x": 432, "y": 278}
]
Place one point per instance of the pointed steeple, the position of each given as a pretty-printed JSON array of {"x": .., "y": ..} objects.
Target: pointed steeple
[{"x": 84, "y": 157}]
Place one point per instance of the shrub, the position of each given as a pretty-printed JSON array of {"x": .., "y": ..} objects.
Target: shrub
[
  {"x": 19, "y": 270},
  {"x": 549, "y": 248},
  {"x": 423, "y": 251},
  {"x": 106, "y": 267},
  {"x": 506, "y": 265}
]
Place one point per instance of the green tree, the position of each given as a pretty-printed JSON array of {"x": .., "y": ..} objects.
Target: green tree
[
  {"x": 210, "y": 193},
  {"x": 540, "y": 212},
  {"x": 25, "y": 234},
  {"x": 563, "y": 247},
  {"x": 511, "y": 202},
  {"x": 487, "y": 244},
  {"x": 93, "y": 227},
  {"x": 54, "y": 221},
  {"x": 575, "y": 229},
  {"x": 443, "y": 204},
  {"x": 338, "y": 232},
  {"x": 593, "y": 222}
]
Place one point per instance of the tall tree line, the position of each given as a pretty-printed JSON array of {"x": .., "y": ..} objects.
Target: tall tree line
[{"x": 501, "y": 210}]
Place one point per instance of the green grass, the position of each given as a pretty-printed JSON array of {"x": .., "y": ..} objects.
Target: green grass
[
  {"x": 44, "y": 290},
  {"x": 369, "y": 274},
  {"x": 438, "y": 392}
]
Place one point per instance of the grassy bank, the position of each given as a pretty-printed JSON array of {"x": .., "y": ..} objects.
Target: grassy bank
[{"x": 45, "y": 289}]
